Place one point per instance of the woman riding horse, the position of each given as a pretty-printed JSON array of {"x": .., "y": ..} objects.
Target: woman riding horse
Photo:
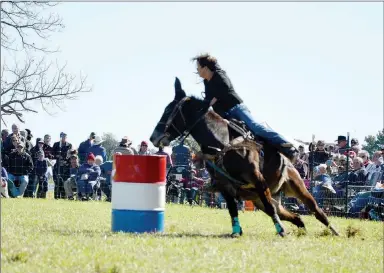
[{"x": 221, "y": 95}]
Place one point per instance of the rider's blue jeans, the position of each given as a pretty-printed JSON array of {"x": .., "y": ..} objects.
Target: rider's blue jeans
[{"x": 242, "y": 113}]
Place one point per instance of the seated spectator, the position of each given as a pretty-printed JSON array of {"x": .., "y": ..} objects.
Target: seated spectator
[
  {"x": 98, "y": 162},
  {"x": 70, "y": 183},
  {"x": 4, "y": 183},
  {"x": 105, "y": 181},
  {"x": 358, "y": 175},
  {"x": 365, "y": 156},
  {"x": 324, "y": 186},
  {"x": 375, "y": 169},
  {"x": 124, "y": 147},
  {"x": 355, "y": 146},
  {"x": 88, "y": 175},
  {"x": 20, "y": 165},
  {"x": 144, "y": 148},
  {"x": 97, "y": 148},
  {"x": 41, "y": 169},
  {"x": 192, "y": 184}
]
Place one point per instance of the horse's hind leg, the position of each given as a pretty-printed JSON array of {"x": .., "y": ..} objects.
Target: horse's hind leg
[
  {"x": 266, "y": 198},
  {"x": 233, "y": 212},
  {"x": 284, "y": 214},
  {"x": 298, "y": 189}
]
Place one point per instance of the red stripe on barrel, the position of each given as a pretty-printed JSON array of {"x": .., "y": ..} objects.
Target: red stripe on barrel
[{"x": 140, "y": 168}]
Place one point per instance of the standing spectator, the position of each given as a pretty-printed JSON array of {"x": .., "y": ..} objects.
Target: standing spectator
[
  {"x": 61, "y": 168},
  {"x": 15, "y": 133},
  {"x": 169, "y": 159},
  {"x": 124, "y": 147},
  {"x": 28, "y": 143},
  {"x": 12, "y": 146},
  {"x": 342, "y": 145},
  {"x": 47, "y": 148},
  {"x": 320, "y": 156},
  {"x": 98, "y": 149},
  {"x": 4, "y": 183},
  {"x": 4, "y": 136},
  {"x": 34, "y": 153},
  {"x": 84, "y": 147},
  {"x": 144, "y": 148},
  {"x": 181, "y": 155},
  {"x": 41, "y": 169},
  {"x": 20, "y": 165}
]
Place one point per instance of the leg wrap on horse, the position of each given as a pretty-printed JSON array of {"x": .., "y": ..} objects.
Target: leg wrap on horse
[{"x": 236, "y": 228}]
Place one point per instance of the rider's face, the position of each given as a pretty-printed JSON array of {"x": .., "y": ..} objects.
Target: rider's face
[{"x": 201, "y": 70}]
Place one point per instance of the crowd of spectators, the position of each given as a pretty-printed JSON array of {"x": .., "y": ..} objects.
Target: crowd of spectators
[{"x": 84, "y": 172}]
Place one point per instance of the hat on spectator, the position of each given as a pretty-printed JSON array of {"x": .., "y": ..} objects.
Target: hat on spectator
[
  {"x": 39, "y": 140},
  {"x": 144, "y": 143},
  {"x": 62, "y": 134},
  {"x": 125, "y": 141},
  {"x": 341, "y": 138},
  {"x": 98, "y": 140},
  {"x": 29, "y": 132},
  {"x": 93, "y": 134},
  {"x": 320, "y": 143},
  {"x": 91, "y": 156},
  {"x": 354, "y": 141}
]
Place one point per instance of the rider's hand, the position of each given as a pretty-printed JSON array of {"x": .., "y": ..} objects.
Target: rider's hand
[{"x": 226, "y": 121}]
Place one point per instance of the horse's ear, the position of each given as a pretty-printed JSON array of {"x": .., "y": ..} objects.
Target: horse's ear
[{"x": 179, "y": 92}]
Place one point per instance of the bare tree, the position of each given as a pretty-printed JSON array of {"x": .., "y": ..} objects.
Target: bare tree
[{"x": 25, "y": 26}]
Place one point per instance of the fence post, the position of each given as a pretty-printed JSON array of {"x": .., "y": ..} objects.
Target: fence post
[
  {"x": 347, "y": 182},
  {"x": 312, "y": 163}
]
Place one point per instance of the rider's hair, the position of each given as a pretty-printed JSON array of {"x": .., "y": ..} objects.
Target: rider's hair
[{"x": 206, "y": 60}]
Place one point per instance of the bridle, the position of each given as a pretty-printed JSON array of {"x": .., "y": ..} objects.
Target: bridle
[{"x": 170, "y": 122}]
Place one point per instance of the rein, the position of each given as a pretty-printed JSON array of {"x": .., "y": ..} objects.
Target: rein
[{"x": 178, "y": 109}]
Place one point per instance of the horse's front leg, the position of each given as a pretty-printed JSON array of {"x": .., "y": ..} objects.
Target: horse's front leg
[{"x": 233, "y": 212}]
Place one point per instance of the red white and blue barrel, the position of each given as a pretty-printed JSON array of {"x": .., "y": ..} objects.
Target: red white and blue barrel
[{"x": 138, "y": 193}]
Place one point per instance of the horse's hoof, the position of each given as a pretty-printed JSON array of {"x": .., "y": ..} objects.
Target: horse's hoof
[
  {"x": 334, "y": 232},
  {"x": 282, "y": 234},
  {"x": 235, "y": 235}
]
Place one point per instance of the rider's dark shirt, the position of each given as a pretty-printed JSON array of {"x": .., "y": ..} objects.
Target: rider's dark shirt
[{"x": 221, "y": 88}]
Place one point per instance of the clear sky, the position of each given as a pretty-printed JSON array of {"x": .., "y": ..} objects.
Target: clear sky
[{"x": 304, "y": 68}]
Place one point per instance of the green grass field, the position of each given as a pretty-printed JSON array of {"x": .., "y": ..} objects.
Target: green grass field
[{"x": 63, "y": 236}]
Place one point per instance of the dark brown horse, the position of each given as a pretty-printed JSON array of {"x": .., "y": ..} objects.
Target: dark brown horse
[{"x": 233, "y": 160}]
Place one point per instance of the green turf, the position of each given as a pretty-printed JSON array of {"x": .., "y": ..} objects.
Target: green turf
[{"x": 69, "y": 236}]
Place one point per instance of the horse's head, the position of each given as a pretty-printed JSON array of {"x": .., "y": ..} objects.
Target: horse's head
[{"x": 172, "y": 123}]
